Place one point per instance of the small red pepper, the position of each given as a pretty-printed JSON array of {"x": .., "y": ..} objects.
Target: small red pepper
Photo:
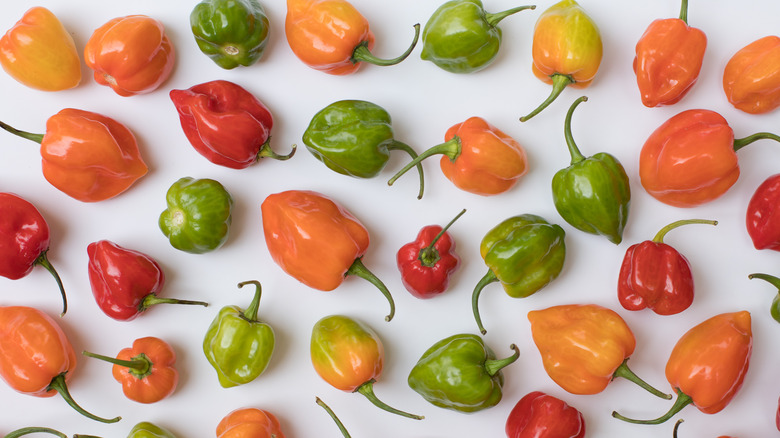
[
  {"x": 146, "y": 370},
  {"x": 654, "y": 275},
  {"x": 24, "y": 241},
  {"x": 226, "y": 123},
  {"x": 427, "y": 263},
  {"x": 750, "y": 78},
  {"x": 763, "y": 215},
  {"x": 540, "y": 415},
  {"x": 125, "y": 282}
]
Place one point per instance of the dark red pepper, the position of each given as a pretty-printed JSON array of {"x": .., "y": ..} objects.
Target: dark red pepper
[
  {"x": 24, "y": 241},
  {"x": 763, "y": 215},
  {"x": 654, "y": 275},
  {"x": 125, "y": 282},
  {"x": 539, "y": 415},
  {"x": 226, "y": 123},
  {"x": 427, "y": 263}
]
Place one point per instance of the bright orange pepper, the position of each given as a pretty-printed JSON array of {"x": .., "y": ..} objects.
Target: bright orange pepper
[
  {"x": 249, "y": 423},
  {"x": 751, "y": 78},
  {"x": 131, "y": 54},
  {"x": 40, "y": 53}
]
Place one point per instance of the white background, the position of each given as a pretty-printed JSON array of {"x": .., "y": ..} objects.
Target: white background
[{"x": 424, "y": 101}]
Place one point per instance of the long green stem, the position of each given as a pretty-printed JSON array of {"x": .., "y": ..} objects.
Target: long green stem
[
  {"x": 28, "y": 430},
  {"x": 493, "y": 19},
  {"x": 363, "y": 54},
  {"x": 574, "y": 151},
  {"x": 24, "y": 134},
  {"x": 659, "y": 237},
  {"x": 367, "y": 389},
  {"x": 140, "y": 366},
  {"x": 560, "y": 82},
  {"x": 44, "y": 261},
  {"x": 429, "y": 255},
  {"x": 626, "y": 373},
  {"x": 152, "y": 300},
  {"x": 359, "y": 269},
  {"x": 450, "y": 148},
  {"x": 682, "y": 401},
  {"x": 58, "y": 384},
  {"x": 250, "y": 314},
  {"x": 488, "y": 278},
  {"x": 335, "y": 418},
  {"x": 742, "y": 142},
  {"x": 494, "y": 366},
  {"x": 684, "y": 11},
  {"x": 397, "y": 145}
]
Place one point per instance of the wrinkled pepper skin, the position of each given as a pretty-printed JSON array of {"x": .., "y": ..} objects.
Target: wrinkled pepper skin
[
  {"x": 750, "y": 79},
  {"x": 249, "y": 422},
  {"x": 226, "y": 123},
  {"x": 708, "y": 364},
  {"x": 40, "y": 53},
  {"x": 593, "y": 194},
  {"x": 237, "y": 344},
  {"x": 232, "y": 33},
  {"x": 566, "y": 50},
  {"x": 130, "y": 54},
  {"x": 460, "y": 373},
  {"x": 540, "y": 415},
  {"x": 462, "y": 37},
  {"x": 668, "y": 59},
  {"x": 525, "y": 253},
  {"x": 763, "y": 216},
  {"x": 145, "y": 429},
  {"x": 198, "y": 217}
]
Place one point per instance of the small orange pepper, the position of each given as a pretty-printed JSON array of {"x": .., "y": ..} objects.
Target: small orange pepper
[
  {"x": 131, "y": 54},
  {"x": 40, "y": 53},
  {"x": 333, "y": 37},
  {"x": 751, "y": 78},
  {"x": 249, "y": 423}
]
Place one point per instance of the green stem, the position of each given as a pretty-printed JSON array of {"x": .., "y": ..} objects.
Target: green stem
[
  {"x": 29, "y": 430},
  {"x": 429, "y": 256},
  {"x": 488, "y": 278},
  {"x": 493, "y": 19},
  {"x": 140, "y": 366},
  {"x": 152, "y": 300},
  {"x": 334, "y": 417},
  {"x": 58, "y": 384},
  {"x": 397, "y": 145},
  {"x": 676, "y": 426},
  {"x": 494, "y": 366},
  {"x": 684, "y": 11},
  {"x": 360, "y": 270},
  {"x": 44, "y": 261},
  {"x": 626, "y": 373},
  {"x": 363, "y": 54},
  {"x": 450, "y": 148},
  {"x": 367, "y": 389},
  {"x": 774, "y": 281},
  {"x": 576, "y": 155},
  {"x": 659, "y": 237},
  {"x": 560, "y": 82},
  {"x": 682, "y": 401},
  {"x": 250, "y": 314},
  {"x": 24, "y": 134},
  {"x": 742, "y": 142},
  {"x": 266, "y": 152}
]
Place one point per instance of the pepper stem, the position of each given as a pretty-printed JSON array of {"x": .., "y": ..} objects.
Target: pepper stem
[
  {"x": 397, "y": 145},
  {"x": 625, "y": 372},
  {"x": 450, "y": 148},
  {"x": 490, "y": 277},
  {"x": 682, "y": 401},
  {"x": 24, "y": 134},
  {"x": 676, "y": 426},
  {"x": 58, "y": 384},
  {"x": 334, "y": 417},
  {"x": 493, "y": 19},
  {"x": 429, "y": 255},
  {"x": 44, "y": 261},
  {"x": 559, "y": 82},
  {"x": 266, "y": 152},
  {"x": 152, "y": 300},
  {"x": 494, "y": 366},
  {"x": 363, "y": 54},
  {"x": 140, "y": 366},
  {"x": 367, "y": 389},
  {"x": 576, "y": 155},
  {"x": 742, "y": 142},
  {"x": 659, "y": 237},
  {"x": 250, "y": 314},
  {"x": 774, "y": 310},
  {"x": 28, "y": 430},
  {"x": 684, "y": 11},
  {"x": 360, "y": 270}
]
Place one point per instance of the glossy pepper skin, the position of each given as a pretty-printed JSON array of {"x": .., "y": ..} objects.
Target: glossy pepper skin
[
  {"x": 249, "y": 422},
  {"x": 36, "y": 357},
  {"x": 655, "y": 276},
  {"x": 87, "y": 156},
  {"x": 40, "y": 53},
  {"x": 525, "y": 253},
  {"x": 147, "y": 370},
  {"x": 774, "y": 310},
  {"x": 198, "y": 215},
  {"x": 131, "y": 54},
  {"x": 691, "y": 158},
  {"x": 462, "y": 37},
  {"x": 460, "y": 373},
  {"x": 237, "y": 344},
  {"x": 226, "y": 123},
  {"x": 145, "y": 429},
  {"x": 317, "y": 241},
  {"x": 355, "y": 138},
  {"x": 750, "y": 78},
  {"x": 477, "y": 157},
  {"x": 332, "y": 36},
  {"x": 24, "y": 241},
  {"x": 350, "y": 356},
  {"x": 708, "y": 364},
  {"x": 762, "y": 219},
  {"x": 668, "y": 59},
  {"x": 540, "y": 415},
  {"x": 427, "y": 262},
  {"x": 584, "y": 347},
  {"x": 593, "y": 194},
  {"x": 232, "y": 33},
  {"x": 125, "y": 282},
  {"x": 566, "y": 50}
]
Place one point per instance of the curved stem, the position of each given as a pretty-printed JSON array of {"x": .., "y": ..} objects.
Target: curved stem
[
  {"x": 266, "y": 152},
  {"x": 659, "y": 237},
  {"x": 152, "y": 300},
  {"x": 429, "y": 256},
  {"x": 363, "y": 54},
  {"x": 774, "y": 281},
  {"x": 676, "y": 426},
  {"x": 576, "y": 155},
  {"x": 58, "y": 384},
  {"x": 250, "y": 314},
  {"x": 488, "y": 278},
  {"x": 684, "y": 11},
  {"x": 44, "y": 261},
  {"x": 742, "y": 142},
  {"x": 361, "y": 271},
  {"x": 626, "y": 373},
  {"x": 682, "y": 401},
  {"x": 397, "y": 145},
  {"x": 367, "y": 389},
  {"x": 24, "y": 134},
  {"x": 560, "y": 82},
  {"x": 28, "y": 430},
  {"x": 141, "y": 366},
  {"x": 494, "y": 366},
  {"x": 493, "y": 19},
  {"x": 450, "y": 148},
  {"x": 334, "y": 417}
]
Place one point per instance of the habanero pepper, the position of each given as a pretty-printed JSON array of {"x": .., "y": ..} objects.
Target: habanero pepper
[
  {"x": 145, "y": 429},
  {"x": 680, "y": 421},
  {"x": 231, "y": 32},
  {"x": 668, "y": 59},
  {"x": 226, "y": 123},
  {"x": 87, "y": 156},
  {"x": 691, "y": 158},
  {"x": 540, "y": 415},
  {"x": 249, "y": 422},
  {"x": 24, "y": 241},
  {"x": 763, "y": 215},
  {"x": 750, "y": 80},
  {"x": 333, "y": 37},
  {"x": 477, "y": 157},
  {"x": 708, "y": 365},
  {"x": 774, "y": 310},
  {"x": 656, "y": 276}
]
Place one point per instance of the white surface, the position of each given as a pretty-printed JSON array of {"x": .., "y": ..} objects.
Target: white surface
[{"x": 424, "y": 101}]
